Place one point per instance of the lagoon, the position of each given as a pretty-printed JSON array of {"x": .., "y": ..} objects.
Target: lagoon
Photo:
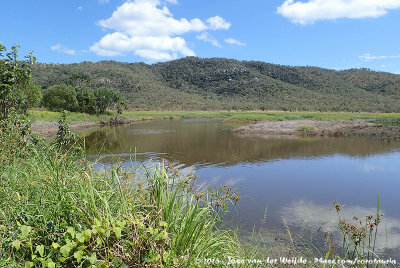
[{"x": 280, "y": 178}]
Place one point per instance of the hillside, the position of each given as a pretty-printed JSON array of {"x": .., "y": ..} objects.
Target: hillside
[{"x": 209, "y": 84}]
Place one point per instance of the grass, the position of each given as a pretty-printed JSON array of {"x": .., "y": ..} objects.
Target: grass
[
  {"x": 306, "y": 129},
  {"x": 238, "y": 116}
]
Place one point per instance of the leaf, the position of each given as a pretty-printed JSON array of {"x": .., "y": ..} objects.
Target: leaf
[
  {"x": 93, "y": 258},
  {"x": 117, "y": 231},
  {"x": 51, "y": 264},
  {"x": 28, "y": 264},
  {"x": 88, "y": 234},
  {"x": 40, "y": 250},
  {"x": 99, "y": 241},
  {"x": 163, "y": 224},
  {"x": 16, "y": 244},
  {"x": 108, "y": 233},
  {"x": 78, "y": 256},
  {"x": 80, "y": 237},
  {"x": 55, "y": 245},
  {"x": 25, "y": 230},
  {"x": 71, "y": 231},
  {"x": 65, "y": 250}
]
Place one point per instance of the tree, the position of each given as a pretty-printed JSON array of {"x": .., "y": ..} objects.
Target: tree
[
  {"x": 106, "y": 97},
  {"x": 33, "y": 93},
  {"x": 86, "y": 100},
  {"x": 15, "y": 81},
  {"x": 60, "y": 97}
]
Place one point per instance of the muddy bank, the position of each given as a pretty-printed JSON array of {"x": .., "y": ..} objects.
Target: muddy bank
[
  {"x": 50, "y": 128},
  {"x": 320, "y": 128}
]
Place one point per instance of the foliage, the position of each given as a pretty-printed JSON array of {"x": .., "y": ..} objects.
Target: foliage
[
  {"x": 33, "y": 94},
  {"x": 16, "y": 89},
  {"x": 60, "y": 97},
  {"x": 215, "y": 84},
  {"x": 86, "y": 100},
  {"x": 106, "y": 97}
]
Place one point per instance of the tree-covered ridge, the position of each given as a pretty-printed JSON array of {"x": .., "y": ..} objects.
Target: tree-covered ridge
[{"x": 207, "y": 84}]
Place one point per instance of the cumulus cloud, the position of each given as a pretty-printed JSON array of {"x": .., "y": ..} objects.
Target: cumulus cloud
[
  {"x": 368, "y": 57},
  {"x": 148, "y": 29},
  {"x": 80, "y": 8},
  {"x": 232, "y": 41},
  {"x": 206, "y": 37},
  {"x": 63, "y": 49},
  {"x": 313, "y": 10},
  {"x": 218, "y": 23}
]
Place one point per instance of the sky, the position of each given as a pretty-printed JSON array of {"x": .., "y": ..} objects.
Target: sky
[{"x": 335, "y": 34}]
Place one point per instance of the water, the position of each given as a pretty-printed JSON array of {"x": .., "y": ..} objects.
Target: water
[{"x": 295, "y": 178}]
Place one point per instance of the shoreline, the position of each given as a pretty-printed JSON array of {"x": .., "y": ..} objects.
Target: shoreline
[{"x": 307, "y": 127}]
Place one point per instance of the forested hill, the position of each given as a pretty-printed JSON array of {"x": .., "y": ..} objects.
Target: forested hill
[{"x": 208, "y": 84}]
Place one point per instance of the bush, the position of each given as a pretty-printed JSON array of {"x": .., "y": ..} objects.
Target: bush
[
  {"x": 60, "y": 97},
  {"x": 86, "y": 100}
]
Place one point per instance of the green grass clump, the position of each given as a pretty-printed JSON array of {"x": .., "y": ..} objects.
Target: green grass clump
[
  {"x": 306, "y": 129},
  {"x": 56, "y": 210}
]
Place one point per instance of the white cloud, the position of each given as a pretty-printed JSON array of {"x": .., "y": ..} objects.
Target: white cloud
[
  {"x": 174, "y": 2},
  {"x": 63, "y": 49},
  {"x": 313, "y": 10},
  {"x": 148, "y": 29},
  {"x": 206, "y": 37},
  {"x": 218, "y": 23},
  {"x": 80, "y": 8},
  {"x": 368, "y": 57},
  {"x": 234, "y": 42}
]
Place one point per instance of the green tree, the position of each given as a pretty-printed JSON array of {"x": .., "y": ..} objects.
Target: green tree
[
  {"x": 33, "y": 93},
  {"x": 60, "y": 97},
  {"x": 15, "y": 80},
  {"x": 106, "y": 98},
  {"x": 86, "y": 100}
]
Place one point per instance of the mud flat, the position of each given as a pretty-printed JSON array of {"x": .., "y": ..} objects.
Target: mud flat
[
  {"x": 50, "y": 128},
  {"x": 320, "y": 128}
]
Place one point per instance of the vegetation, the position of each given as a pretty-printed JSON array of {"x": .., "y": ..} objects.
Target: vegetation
[
  {"x": 106, "y": 97},
  {"x": 17, "y": 91},
  {"x": 222, "y": 84},
  {"x": 60, "y": 97}
]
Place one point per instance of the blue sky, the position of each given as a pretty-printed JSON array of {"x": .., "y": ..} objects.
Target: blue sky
[{"x": 337, "y": 34}]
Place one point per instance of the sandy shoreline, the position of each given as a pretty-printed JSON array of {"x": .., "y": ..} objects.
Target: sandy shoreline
[
  {"x": 320, "y": 128},
  {"x": 50, "y": 128}
]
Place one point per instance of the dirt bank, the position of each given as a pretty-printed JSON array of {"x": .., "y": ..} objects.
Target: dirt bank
[
  {"x": 48, "y": 129},
  {"x": 320, "y": 128}
]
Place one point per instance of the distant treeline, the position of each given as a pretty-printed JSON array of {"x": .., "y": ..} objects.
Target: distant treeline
[{"x": 210, "y": 84}]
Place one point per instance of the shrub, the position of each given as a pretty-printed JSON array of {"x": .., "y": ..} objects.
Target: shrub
[{"x": 60, "y": 97}]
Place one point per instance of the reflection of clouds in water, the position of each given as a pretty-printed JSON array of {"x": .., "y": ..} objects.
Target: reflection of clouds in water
[
  {"x": 233, "y": 182},
  {"x": 218, "y": 180},
  {"x": 151, "y": 131},
  {"x": 214, "y": 180},
  {"x": 368, "y": 168},
  {"x": 306, "y": 214}
]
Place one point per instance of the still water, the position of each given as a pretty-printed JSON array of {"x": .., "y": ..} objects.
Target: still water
[{"x": 280, "y": 177}]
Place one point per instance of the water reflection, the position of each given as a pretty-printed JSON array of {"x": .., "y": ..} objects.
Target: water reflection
[
  {"x": 314, "y": 217},
  {"x": 211, "y": 142}
]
